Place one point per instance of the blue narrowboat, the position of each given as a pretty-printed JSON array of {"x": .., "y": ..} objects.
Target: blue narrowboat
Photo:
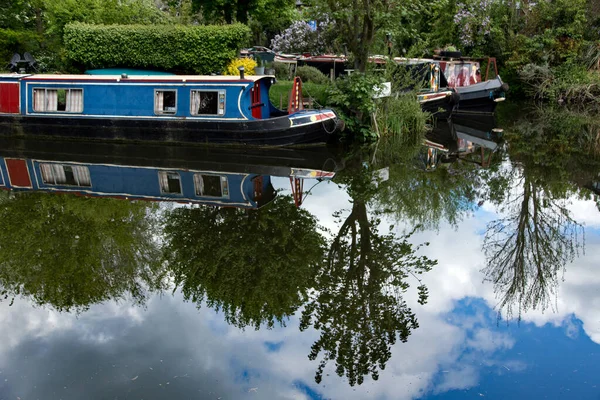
[{"x": 172, "y": 108}]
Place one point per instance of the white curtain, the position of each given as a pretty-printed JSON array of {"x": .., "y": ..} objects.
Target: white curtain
[
  {"x": 199, "y": 184},
  {"x": 53, "y": 174},
  {"x": 159, "y": 102},
  {"x": 82, "y": 175},
  {"x": 39, "y": 100},
  {"x": 51, "y": 100},
  {"x": 195, "y": 102},
  {"x": 164, "y": 181},
  {"x": 75, "y": 100}
]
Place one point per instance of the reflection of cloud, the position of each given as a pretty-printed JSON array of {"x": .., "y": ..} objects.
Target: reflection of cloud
[
  {"x": 461, "y": 377},
  {"x": 585, "y": 212},
  {"x": 175, "y": 350},
  {"x": 486, "y": 340},
  {"x": 162, "y": 354}
]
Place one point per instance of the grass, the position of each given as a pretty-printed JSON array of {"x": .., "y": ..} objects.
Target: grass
[{"x": 280, "y": 92}]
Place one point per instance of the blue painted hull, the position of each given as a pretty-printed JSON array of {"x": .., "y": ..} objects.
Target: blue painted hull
[{"x": 275, "y": 161}]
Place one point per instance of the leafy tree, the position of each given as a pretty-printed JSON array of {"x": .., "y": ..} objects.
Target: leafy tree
[
  {"x": 16, "y": 14},
  {"x": 357, "y": 23},
  {"x": 225, "y": 10},
  {"x": 358, "y": 303},
  {"x": 264, "y": 26},
  {"x": 254, "y": 266},
  {"x": 60, "y": 13},
  {"x": 71, "y": 252}
]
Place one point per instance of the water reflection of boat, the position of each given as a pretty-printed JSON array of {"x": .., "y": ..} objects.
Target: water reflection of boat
[
  {"x": 212, "y": 176},
  {"x": 174, "y": 108},
  {"x": 468, "y": 138},
  {"x": 479, "y": 130}
]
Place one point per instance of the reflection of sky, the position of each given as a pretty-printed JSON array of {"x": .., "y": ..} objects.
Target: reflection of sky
[{"x": 170, "y": 349}]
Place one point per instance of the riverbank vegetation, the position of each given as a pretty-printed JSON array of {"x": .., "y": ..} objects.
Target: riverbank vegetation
[{"x": 547, "y": 51}]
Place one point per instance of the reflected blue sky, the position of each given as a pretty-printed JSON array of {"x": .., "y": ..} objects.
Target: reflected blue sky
[{"x": 462, "y": 350}]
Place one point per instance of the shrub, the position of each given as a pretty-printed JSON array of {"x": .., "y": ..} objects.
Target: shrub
[
  {"x": 198, "y": 49},
  {"x": 353, "y": 97},
  {"x": 282, "y": 70},
  {"x": 248, "y": 63},
  {"x": 311, "y": 74}
]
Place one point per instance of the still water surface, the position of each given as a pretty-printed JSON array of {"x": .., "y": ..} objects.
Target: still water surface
[{"x": 465, "y": 272}]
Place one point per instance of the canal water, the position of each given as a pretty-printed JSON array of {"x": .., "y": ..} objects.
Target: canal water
[{"x": 465, "y": 268}]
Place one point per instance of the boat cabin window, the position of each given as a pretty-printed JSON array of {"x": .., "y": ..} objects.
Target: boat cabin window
[
  {"x": 165, "y": 101},
  {"x": 204, "y": 102},
  {"x": 58, "y": 100},
  {"x": 66, "y": 175},
  {"x": 170, "y": 182},
  {"x": 211, "y": 185}
]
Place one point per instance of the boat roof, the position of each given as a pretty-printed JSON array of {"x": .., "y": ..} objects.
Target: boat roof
[
  {"x": 404, "y": 60},
  {"x": 13, "y": 76},
  {"x": 149, "y": 78}
]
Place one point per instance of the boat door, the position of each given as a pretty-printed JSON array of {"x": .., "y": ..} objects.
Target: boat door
[
  {"x": 18, "y": 173},
  {"x": 9, "y": 97},
  {"x": 256, "y": 103}
]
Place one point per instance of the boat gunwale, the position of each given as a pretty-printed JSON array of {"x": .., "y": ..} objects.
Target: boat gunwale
[{"x": 183, "y": 79}]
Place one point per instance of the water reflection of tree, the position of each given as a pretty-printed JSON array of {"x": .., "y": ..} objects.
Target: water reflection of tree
[
  {"x": 425, "y": 198},
  {"x": 358, "y": 304},
  {"x": 428, "y": 198},
  {"x": 531, "y": 245},
  {"x": 71, "y": 252},
  {"x": 255, "y": 266},
  {"x": 527, "y": 249}
]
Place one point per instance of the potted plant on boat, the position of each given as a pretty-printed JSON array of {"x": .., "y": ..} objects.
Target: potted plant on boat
[
  {"x": 269, "y": 69},
  {"x": 260, "y": 68}
]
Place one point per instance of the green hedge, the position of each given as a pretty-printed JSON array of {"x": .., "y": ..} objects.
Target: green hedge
[
  {"x": 194, "y": 49},
  {"x": 16, "y": 42}
]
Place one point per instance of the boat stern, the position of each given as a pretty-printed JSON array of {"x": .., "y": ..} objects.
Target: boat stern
[{"x": 323, "y": 123}]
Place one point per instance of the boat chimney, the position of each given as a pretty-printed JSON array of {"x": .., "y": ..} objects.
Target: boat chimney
[
  {"x": 241, "y": 72},
  {"x": 123, "y": 76}
]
